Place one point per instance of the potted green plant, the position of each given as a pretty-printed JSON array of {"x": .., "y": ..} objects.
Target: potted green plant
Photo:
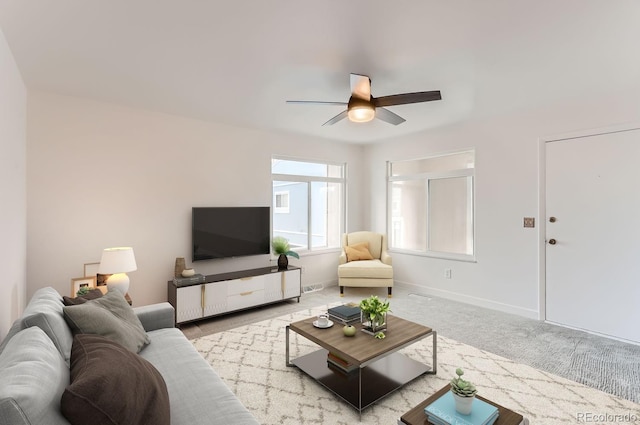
[
  {"x": 281, "y": 247},
  {"x": 464, "y": 392},
  {"x": 373, "y": 315}
]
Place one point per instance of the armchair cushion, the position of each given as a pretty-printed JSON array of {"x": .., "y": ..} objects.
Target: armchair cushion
[
  {"x": 371, "y": 269},
  {"x": 359, "y": 251}
]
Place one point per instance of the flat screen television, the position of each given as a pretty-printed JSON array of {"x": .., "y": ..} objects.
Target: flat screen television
[{"x": 222, "y": 232}]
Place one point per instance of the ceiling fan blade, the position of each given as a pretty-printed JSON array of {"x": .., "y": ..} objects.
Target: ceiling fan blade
[
  {"x": 342, "y": 115},
  {"x": 361, "y": 86},
  {"x": 388, "y": 116},
  {"x": 405, "y": 98},
  {"x": 315, "y": 102}
]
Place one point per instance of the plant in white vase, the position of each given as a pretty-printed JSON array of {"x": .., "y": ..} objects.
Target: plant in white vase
[{"x": 464, "y": 392}]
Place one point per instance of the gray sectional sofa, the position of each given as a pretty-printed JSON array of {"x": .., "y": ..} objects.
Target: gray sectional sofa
[{"x": 35, "y": 360}]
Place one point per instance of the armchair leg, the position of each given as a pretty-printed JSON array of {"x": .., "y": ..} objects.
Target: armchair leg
[
  {"x": 342, "y": 291},
  {"x": 389, "y": 291}
]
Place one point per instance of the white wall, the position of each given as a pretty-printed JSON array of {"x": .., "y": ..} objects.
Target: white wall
[
  {"x": 505, "y": 276},
  {"x": 13, "y": 190},
  {"x": 102, "y": 175}
]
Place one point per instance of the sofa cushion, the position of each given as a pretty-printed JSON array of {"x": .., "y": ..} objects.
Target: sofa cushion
[
  {"x": 110, "y": 385},
  {"x": 195, "y": 389},
  {"x": 81, "y": 299},
  {"x": 110, "y": 316},
  {"x": 373, "y": 239},
  {"x": 33, "y": 376},
  {"x": 357, "y": 252},
  {"x": 45, "y": 311},
  {"x": 374, "y": 269}
]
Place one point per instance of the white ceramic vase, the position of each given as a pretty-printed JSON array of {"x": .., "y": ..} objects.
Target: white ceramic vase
[{"x": 463, "y": 404}]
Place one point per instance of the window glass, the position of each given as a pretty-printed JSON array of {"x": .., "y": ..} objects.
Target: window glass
[
  {"x": 450, "y": 215},
  {"x": 408, "y": 224},
  {"x": 308, "y": 203},
  {"x": 431, "y": 205}
]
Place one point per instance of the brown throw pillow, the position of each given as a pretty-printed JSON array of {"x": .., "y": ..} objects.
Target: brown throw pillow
[
  {"x": 91, "y": 295},
  {"x": 110, "y": 385},
  {"x": 359, "y": 251}
]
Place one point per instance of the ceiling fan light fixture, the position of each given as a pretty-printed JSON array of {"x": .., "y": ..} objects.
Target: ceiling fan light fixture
[{"x": 362, "y": 112}]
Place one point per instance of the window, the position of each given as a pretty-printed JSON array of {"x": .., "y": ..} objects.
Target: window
[
  {"x": 281, "y": 202},
  {"x": 431, "y": 205},
  {"x": 308, "y": 203}
]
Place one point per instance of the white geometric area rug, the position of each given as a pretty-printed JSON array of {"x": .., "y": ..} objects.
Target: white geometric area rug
[{"x": 251, "y": 360}]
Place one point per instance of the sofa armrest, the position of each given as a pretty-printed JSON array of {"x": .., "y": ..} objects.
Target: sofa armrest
[{"x": 156, "y": 316}]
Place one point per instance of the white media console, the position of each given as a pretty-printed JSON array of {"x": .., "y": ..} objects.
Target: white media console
[{"x": 227, "y": 292}]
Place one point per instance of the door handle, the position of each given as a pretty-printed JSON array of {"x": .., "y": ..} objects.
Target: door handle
[{"x": 552, "y": 241}]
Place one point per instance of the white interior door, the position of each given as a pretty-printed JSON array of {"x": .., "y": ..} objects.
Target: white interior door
[{"x": 593, "y": 268}]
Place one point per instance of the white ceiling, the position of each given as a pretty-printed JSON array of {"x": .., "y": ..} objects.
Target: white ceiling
[{"x": 237, "y": 61}]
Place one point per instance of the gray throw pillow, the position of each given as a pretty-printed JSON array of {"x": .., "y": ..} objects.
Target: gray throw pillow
[
  {"x": 110, "y": 316},
  {"x": 112, "y": 386},
  {"x": 33, "y": 376}
]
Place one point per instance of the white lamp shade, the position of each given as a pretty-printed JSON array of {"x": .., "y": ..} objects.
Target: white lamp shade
[{"x": 117, "y": 262}]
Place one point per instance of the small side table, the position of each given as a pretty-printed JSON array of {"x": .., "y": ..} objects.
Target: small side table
[{"x": 416, "y": 416}]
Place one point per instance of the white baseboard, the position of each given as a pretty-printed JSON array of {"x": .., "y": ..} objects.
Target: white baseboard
[{"x": 480, "y": 302}]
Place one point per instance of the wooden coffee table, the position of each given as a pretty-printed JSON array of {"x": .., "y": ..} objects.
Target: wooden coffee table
[
  {"x": 416, "y": 416},
  {"x": 380, "y": 370}
]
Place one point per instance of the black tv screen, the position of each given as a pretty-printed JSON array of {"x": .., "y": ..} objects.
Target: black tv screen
[{"x": 221, "y": 232}]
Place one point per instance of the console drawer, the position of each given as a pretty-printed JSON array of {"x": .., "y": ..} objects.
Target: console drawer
[
  {"x": 249, "y": 284},
  {"x": 245, "y": 299}
]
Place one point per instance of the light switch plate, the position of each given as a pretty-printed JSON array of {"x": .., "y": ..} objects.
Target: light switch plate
[{"x": 529, "y": 222}]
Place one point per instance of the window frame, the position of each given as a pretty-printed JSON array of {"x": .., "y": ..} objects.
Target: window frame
[
  {"x": 297, "y": 178},
  {"x": 427, "y": 177}
]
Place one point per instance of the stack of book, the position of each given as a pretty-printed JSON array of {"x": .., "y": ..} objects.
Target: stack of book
[
  {"x": 345, "y": 314},
  {"x": 443, "y": 412},
  {"x": 335, "y": 361},
  {"x": 182, "y": 281}
]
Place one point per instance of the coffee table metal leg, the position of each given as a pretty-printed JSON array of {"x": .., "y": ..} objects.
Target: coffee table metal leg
[
  {"x": 360, "y": 393},
  {"x": 286, "y": 336},
  {"x": 435, "y": 354}
]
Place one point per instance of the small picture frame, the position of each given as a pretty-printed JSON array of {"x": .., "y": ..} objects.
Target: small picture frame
[
  {"x": 91, "y": 269},
  {"x": 88, "y": 282}
]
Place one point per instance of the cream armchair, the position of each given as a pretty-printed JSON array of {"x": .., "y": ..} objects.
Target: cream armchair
[{"x": 368, "y": 267}]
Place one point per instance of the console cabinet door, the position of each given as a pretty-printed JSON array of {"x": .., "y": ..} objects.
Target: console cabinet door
[
  {"x": 291, "y": 283},
  {"x": 189, "y": 303},
  {"x": 273, "y": 287},
  {"x": 215, "y": 298}
]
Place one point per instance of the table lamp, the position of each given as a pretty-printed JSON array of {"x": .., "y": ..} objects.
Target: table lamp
[{"x": 117, "y": 262}]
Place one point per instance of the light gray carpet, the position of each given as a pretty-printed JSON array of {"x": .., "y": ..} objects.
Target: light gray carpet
[
  {"x": 605, "y": 364},
  {"x": 251, "y": 361}
]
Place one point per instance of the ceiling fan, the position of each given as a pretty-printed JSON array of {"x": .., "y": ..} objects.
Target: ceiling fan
[{"x": 362, "y": 107}]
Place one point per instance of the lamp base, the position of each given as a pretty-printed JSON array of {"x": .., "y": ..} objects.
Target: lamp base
[{"x": 118, "y": 282}]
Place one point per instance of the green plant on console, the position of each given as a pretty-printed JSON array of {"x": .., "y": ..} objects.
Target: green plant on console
[
  {"x": 461, "y": 387},
  {"x": 281, "y": 247}
]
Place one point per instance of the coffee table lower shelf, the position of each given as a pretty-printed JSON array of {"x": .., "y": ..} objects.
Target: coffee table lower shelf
[{"x": 364, "y": 386}]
